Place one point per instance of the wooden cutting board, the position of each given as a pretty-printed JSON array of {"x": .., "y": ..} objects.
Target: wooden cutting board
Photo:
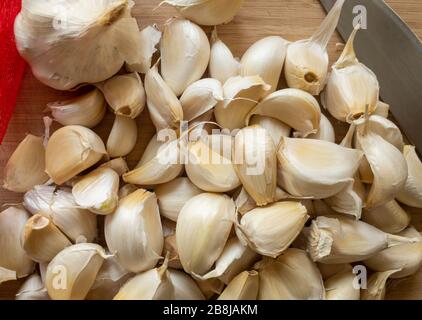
[{"x": 292, "y": 19}]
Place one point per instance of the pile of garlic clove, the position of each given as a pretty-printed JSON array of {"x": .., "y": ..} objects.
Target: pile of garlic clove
[{"x": 242, "y": 194}]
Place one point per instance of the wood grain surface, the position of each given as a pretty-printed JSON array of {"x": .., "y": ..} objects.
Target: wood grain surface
[{"x": 292, "y": 19}]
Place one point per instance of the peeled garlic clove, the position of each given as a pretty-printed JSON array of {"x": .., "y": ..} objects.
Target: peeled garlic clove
[
  {"x": 255, "y": 161},
  {"x": 98, "y": 191},
  {"x": 382, "y": 110},
  {"x": 185, "y": 53},
  {"x": 200, "y": 97},
  {"x": 77, "y": 224},
  {"x": 26, "y": 167},
  {"x": 265, "y": 58},
  {"x": 173, "y": 195},
  {"x": 388, "y": 166},
  {"x": 351, "y": 88},
  {"x": 202, "y": 230},
  {"x": 123, "y": 137},
  {"x": 306, "y": 65},
  {"x": 163, "y": 106},
  {"x": 170, "y": 248},
  {"x": 209, "y": 170},
  {"x": 185, "y": 287},
  {"x": 14, "y": 261},
  {"x": 376, "y": 287},
  {"x": 342, "y": 240},
  {"x": 272, "y": 229},
  {"x": 241, "y": 95},
  {"x": 42, "y": 240},
  {"x": 93, "y": 40},
  {"x": 32, "y": 289},
  {"x": 341, "y": 287},
  {"x": 294, "y": 107},
  {"x": 315, "y": 168},
  {"x": 207, "y": 13},
  {"x": 349, "y": 201},
  {"x": 134, "y": 232},
  {"x": 411, "y": 193},
  {"x": 244, "y": 286},
  {"x": 119, "y": 165},
  {"x": 292, "y": 276},
  {"x": 159, "y": 164},
  {"x": 389, "y": 217},
  {"x": 406, "y": 257},
  {"x": 325, "y": 132},
  {"x": 154, "y": 284},
  {"x": 274, "y": 127},
  {"x": 72, "y": 272},
  {"x": 71, "y": 150},
  {"x": 222, "y": 63},
  {"x": 87, "y": 110}
]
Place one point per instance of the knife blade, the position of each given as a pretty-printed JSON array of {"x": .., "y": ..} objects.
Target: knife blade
[{"x": 390, "y": 49}]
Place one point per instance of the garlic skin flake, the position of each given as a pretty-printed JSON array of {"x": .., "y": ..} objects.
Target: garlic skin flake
[
  {"x": 325, "y": 132},
  {"x": 340, "y": 286},
  {"x": 274, "y": 127},
  {"x": 382, "y": 110},
  {"x": 123, "y": 137},
  {"x": 185, "y": 54},
  {"x": 32, "y": 289},
  {"x": 92, "y": 38},
  {"x": 377, "y": 285},
  {"x": 185, "y": 287},
  {"x": 244, "y": 286},
  {"x": 411, "y": 193}
]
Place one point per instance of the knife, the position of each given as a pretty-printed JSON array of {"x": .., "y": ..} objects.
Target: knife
[{"x": 390, "y": 49}]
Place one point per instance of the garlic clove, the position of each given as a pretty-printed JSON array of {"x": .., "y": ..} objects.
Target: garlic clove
[
  {"x": 382, "y": 110},
  {"x": 169, "y": 227},
  {"x": 7, "y": 275},
  {"x": 170, "y": 248},
  {"x": 274, "y": 127},
  {"x": 376, "y": 287},
  {"x": 210, "y": 287},
  {"x": 296, "y": 108},
  {"x": 330, "y": 270},
  {"x": 26, "y": 166},
  {"x": 42, "y": 240},
  {"x": 32, "y": 289},
  {"x": 241, "y": 95},
  {"x": 98, "y": 191},
  {"x": 119, "y": 165},
  {"x": 325, "y": 132},
  {"x": 244, "y": 286},
  {"x": 87, "y": 110},
  {"x": 411, "y": 193},
  {"x": 71, "y": 150},
  {"x": 134, "y": 232},
  {"x": 185, "y": 287},
  {"x": 126, "y": 190},
  {"x": 265, "y": 58},
  {"x": 123, "y": 137},
  {"x": 341, "y": 287}
]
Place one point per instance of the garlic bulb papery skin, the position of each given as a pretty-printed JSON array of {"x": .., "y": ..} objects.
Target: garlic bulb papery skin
[
  {"x": 209, "y": 170},
  {"x": 92, "y": 38},
  {"x": 411, "y": 193},
  {"x": 315, "y": 168},
  {"x": 26, "y": 166},
  {"x": 270, "y": 230},
  {"x": 32, "y": 289},
  {"x": 210, "y": 288},
  {"x": 125, "y": 94},
  {"x": 185, "y": 54},
  {"x": 71, "y": 150},
  {"x": 351, "y": 87},
  {"x": 87, "y": 110},
  {"x": 79, "y": 225},
  {"x": 334, "y": 240},
  {"x": 123, "y": 137},
  {"x": 241, "y": 95},
  {"x": 98, "y": 191},
  {"x": 296, "y": 108},
  {"x": 160, "y": 163},
  {"x": 235, "y": 258},
  {"x": 406, "y": 257},
  {"x": 134, "y": 232},
  {"x": 387, "y": 164},
  {"x": 14, "y": 262},
  {"x": 265, "y": 58},
  {"x": 42, "y": 240},
  {"x": 170, "y": 249},
  {"x": 377, "y": 285},
  {"x": 255, "y": 161},
  {"x": 173, "y": 195},
  {"x": 203, "y": 228},
  {"x": 207, "y": 12},
  {"x": 244, "y": 286},
  {"x": 274, "y": 127},
  {"x": 119, "y": 165},
  {"x": 200, "y": 97},
  {"x": 292, "y": 276},
  {"x": 185, "y": 288},
  {"x": 223, "y": 65},
  {"x": 72, "y": 272},
  {"x": 306, "y": 65},
  {"x": 149, "y": 38},
  {"x": 340, "y": 287},
  {"x": 389, "y": 217},
  {"x": 164, "y": 108},
  {"x": 325, "y": 132},
  {"x": 382, "y": 110}
]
